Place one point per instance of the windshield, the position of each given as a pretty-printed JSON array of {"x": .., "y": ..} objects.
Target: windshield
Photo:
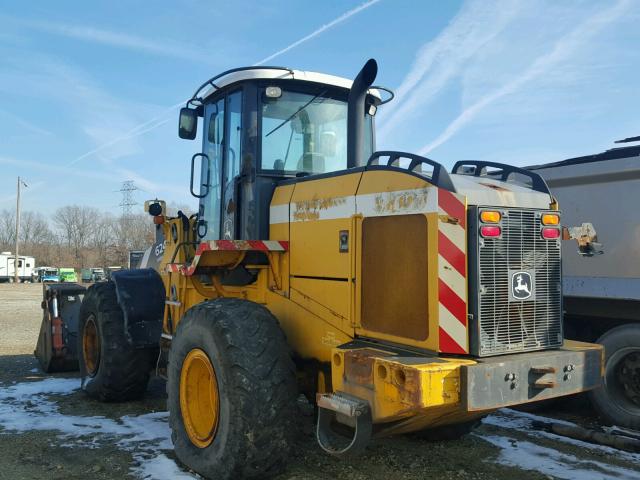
[{"x": 306, "y": 132}]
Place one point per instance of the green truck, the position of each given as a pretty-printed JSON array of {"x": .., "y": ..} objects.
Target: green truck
[{"x": 68, "y": 275}]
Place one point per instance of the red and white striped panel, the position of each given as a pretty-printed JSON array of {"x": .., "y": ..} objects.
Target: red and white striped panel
[
  {"x": 237, "y": 245},
  {"x": 452, "y": 273}
]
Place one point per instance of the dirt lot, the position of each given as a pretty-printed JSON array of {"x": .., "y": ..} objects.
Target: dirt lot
[{"x": 48, "y": 429}]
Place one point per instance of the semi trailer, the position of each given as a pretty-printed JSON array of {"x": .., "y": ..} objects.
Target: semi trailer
[{"x": 602, "y": 292}]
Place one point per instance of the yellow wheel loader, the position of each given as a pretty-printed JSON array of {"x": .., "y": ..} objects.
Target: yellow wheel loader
[{"x": 397, "y": 296}]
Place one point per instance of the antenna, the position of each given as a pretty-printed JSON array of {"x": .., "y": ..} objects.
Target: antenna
[{"x": 128, "y": 200}]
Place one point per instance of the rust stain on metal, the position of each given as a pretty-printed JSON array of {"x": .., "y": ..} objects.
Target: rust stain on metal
[
  {"x": 310, "y": 209},
  {"x": 410, "y": 389},
  {"x": 449, "y": 219},
  {"x": 358, "y": 366},
  {"x": 397, "y": 202},
  {"x": 495, "y": 187}
]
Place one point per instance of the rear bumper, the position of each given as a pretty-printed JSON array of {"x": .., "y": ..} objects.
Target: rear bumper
[
  {"x": 515, "y": 379},
  {"x": 398, "y": 386}
]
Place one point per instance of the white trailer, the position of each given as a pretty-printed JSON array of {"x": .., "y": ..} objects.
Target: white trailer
[
  {"x": 26, "y": 267},
  {"x": 602, "y": 294}
]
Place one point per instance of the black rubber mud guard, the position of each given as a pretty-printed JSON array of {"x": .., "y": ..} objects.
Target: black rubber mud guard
[{"x": 141, "y": 296}]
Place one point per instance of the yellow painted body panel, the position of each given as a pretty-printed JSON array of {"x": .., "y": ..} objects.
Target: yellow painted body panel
[
  {"x": 328, "y": 299},
  {"x": 314, "y": 249},
  {"x": 314, "y": 238},
  {"x": 309, "y": 335}
]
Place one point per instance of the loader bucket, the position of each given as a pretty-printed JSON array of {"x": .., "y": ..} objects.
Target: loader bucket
[{"x": 57, "y": 347}]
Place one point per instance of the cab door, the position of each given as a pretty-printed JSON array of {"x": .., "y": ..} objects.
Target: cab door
[
  {"x": 210, "y": 191},
  {"x": 232, "y": 166}
]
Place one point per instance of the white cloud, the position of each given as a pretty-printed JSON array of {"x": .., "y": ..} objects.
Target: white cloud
[
  {"x": 443, "y": 58},
  {"x": 25, "y": 124},
  {"x": 322, "y": 29},
  {"x": 113, "y": 39},
  {"x": 563, "y": 49}
]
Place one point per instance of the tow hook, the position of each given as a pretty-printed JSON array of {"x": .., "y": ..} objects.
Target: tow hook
[
  {"x": 542, "y": 382},
  {"x": 354, "y": 412}
]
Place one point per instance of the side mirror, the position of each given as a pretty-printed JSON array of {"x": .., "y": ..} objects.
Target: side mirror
[{"x": 188, "y": 123}]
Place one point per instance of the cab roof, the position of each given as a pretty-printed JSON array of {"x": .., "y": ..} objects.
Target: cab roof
[{"x": 279, "y": 73}]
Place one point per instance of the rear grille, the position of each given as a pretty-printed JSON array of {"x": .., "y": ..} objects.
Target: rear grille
[{"x": 508, "y": 325}]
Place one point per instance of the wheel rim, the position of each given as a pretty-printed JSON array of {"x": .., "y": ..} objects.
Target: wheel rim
[
  {"x": 91, "y": 346},
  {"x": 624, "y": 378},
  {"x": 199, "y": 398}
]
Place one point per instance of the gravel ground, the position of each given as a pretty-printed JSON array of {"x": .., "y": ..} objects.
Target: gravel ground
[{"x": 49, "y": 429}]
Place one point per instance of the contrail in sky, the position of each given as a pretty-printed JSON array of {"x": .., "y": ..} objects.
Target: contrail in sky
[
  {"x": 154, "y": 123},
  {"x": 562, "y": 49},
  {"x": 320, "y": 30}
]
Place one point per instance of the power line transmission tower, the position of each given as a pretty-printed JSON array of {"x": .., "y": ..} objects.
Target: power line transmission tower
[{"x": 128, "y": 199}]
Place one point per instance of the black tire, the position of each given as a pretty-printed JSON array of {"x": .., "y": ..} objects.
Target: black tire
[
  {"x": 256, "y": 384},
  {"x": 447, "y": 433},
  {"x": 122, "y": 371},
  {"x": 613, "y": 402}
]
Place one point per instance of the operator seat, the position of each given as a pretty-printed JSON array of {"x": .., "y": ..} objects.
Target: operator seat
[{"x": 311, "y": 162}]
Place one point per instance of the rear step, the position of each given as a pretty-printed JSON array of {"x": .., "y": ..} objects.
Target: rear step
[{"x": 348, "y": 410}]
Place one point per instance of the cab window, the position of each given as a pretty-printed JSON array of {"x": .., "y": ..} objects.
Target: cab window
[{"x": 304, "y": 132}]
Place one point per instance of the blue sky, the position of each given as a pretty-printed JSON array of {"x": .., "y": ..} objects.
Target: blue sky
[{"x": 89, "y": 91}]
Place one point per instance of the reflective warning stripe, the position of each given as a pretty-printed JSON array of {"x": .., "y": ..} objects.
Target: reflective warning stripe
[
  {"x": 452, "y": 273},
  {"x": 237, "y": 245}
]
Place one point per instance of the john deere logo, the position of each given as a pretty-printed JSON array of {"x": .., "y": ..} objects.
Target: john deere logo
[{"x": 521, "y": 285}]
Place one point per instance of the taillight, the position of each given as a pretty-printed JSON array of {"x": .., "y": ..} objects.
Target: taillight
[
  {"x": 550, "y": 219},
  {"x": 490, "y": 231},
  {"x": 550, "y": 233},
  {"x": 490, "y": 216}
]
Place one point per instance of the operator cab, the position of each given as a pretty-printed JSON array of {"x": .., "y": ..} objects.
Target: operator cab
[{"x": 261, "y": 125}]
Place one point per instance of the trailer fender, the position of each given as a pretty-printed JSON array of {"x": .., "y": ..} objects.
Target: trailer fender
[{"x": 141, "y": 296}]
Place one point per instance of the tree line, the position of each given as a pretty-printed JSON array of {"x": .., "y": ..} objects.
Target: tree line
[{"x": 76, "y": 236}]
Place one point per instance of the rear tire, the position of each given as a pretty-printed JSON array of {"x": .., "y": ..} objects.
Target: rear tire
[
  {"x": 244, "y": 426},
  {"x": 618, "y": 400},
  {"x": 447, "y": 433},
  {"x": 112, "y": 370}
]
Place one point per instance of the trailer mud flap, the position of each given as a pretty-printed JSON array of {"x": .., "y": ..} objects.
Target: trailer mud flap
[
  {"x": 497, "y": 382},
  {"x": 141, "y": 296}
]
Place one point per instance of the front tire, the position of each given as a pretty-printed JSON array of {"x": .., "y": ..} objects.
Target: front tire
[
  {"x": 231, "y": 391},
  {"x": 618, "y": 400},
  {"x": 112, "y": 370}
]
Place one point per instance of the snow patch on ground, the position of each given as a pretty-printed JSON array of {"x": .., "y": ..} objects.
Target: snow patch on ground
[
  {"x": 160, "y": 467},
  {"x": 26, "y": 407},
  {"x": 522, "y": 421},
  {"x": 528, "y": 456}
]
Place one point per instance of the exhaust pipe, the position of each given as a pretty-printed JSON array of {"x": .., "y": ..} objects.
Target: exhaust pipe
[{"x": 356, "y": 113}]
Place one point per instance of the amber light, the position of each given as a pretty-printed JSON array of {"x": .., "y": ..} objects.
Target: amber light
[
  {"x": 550, "y": 219},
  {"x": 550, "y": 233},
  {"x": 489, "y": 216},
  {"x": 490, "y": 232}
]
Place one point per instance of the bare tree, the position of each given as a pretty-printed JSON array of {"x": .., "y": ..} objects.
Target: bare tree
[
  {"x": 104, "y": 238},
  {"x": 34, "y": 229},
  {"x": 7, "y": 229},
  {"x": 75, "y": 224}
]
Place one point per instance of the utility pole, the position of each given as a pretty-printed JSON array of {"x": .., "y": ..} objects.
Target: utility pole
[{"x": 15, "y": 261}]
